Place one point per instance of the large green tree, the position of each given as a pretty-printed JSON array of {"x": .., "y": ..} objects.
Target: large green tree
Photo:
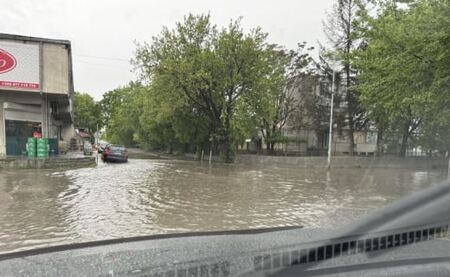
[
  {"x": 121, "y": 109},
  {"x": 342, "y": 31},
  {"x": 166, "y": 123},
  {"x": 405, "y": 68},
  {"x": 270, "y": 105},
  {"x": 87, "y": 112},
  {"x": 208, "y": 70}
]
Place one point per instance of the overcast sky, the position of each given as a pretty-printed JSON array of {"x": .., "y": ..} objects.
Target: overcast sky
[{"x": 102, "y": 32}]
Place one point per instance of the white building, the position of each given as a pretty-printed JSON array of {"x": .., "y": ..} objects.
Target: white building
[
  {"x": 36, "y": 90},
  {"x": 309, "y": 124}
]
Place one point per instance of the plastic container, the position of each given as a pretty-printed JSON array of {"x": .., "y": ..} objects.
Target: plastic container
[
  {"x": 31, "y": 147},
  {"x": 42, "y": 147},
  {"x": 42, "y": 141}
]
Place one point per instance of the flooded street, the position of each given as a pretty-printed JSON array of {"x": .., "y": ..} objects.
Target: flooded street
[{"x": 142, "y": 197}]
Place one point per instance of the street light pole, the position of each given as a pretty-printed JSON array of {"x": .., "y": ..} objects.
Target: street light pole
[{"x": 330, "y": 135}]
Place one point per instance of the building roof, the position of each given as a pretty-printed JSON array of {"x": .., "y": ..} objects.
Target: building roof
[
  {"x": 35, "y": 39},
  {"x": 84, "y": 134}
]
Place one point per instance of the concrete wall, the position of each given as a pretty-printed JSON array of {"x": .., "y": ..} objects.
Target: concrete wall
[
  {"x": 67, "y": 132},
  {"x": 51, "y": 163},
  {"x": 345, "y": 162},
  {"x": 21, "y": 97},
  {"x": 56, "y": 68},
  {"x": 2, "y": 129}
]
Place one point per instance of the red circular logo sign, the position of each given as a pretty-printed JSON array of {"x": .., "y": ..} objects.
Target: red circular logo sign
[{"x": 7, "y": 61}]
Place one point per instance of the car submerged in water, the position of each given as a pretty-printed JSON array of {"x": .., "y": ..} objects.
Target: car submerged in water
[{"x": 115, "y": 153}]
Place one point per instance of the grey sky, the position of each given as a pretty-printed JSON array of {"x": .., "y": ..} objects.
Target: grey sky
[{"x": 102, "y": 32}]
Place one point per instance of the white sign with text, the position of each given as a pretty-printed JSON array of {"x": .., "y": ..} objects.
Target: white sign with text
[{"x": 19, "y": 66}]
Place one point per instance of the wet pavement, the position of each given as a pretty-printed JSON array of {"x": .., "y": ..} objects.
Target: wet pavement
[{"x": 143, "y": 197}]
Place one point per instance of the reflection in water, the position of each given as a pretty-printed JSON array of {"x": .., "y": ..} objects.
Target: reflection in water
[{"x": 144, "y": 197}]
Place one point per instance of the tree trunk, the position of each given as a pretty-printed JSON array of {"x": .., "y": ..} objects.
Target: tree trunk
[
  {"x": 350, "y": 96},
  {"x": 225, "y": 150},
  {"x": 380, "y": 142},
  {"x": 351, "y": 134},
  {"x": 404, "y": 144},
  {"x": 268, "y": 148},
  {"x": 226, "y": 153},
  {"x": 350, "y": 109}
]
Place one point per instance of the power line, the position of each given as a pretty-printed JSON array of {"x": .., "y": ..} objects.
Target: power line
[
  {"x": 101, "y": 57},
  {"x": 100, "y": 64}
]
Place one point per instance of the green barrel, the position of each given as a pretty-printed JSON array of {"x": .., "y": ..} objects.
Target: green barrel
[
  {"x": 31, "y": 147},
  {"x": 42, "y": 147}
]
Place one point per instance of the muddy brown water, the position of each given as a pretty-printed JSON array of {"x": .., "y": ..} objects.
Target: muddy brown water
[{"x": 144, "y": 197}]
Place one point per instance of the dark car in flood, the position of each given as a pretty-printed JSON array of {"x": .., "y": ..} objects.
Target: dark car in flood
[{"x": 115, "y": 153}]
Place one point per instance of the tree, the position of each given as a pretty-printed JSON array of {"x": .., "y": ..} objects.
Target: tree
[
  {"x": 87, "y": 112},
  {"x": 208, "y": 70},
  {"x": 269, "y": 104},
  {"x": 341, "y": 29},
  {"x": 274, "y": 101},
  {"x": 404, "y": 68},
  {"x": 121, "y": 126},
  {"x": 166, "y": 123}
]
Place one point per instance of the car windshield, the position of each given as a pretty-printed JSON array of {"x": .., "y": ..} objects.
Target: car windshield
[{"x": 122, "y": 119}]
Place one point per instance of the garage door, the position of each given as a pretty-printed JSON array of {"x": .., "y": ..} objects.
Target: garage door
[{"x": 17, "y": 133}]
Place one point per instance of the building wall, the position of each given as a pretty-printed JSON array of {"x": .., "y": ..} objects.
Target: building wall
[
  {"x": 52, "y": 72},
  {"x": 2, "y": 129},
  {"x": 313, "y": 99},
  {"x": 48, "y": 62},
  {"x": 33, "y": 107},
  {"x": 67, "y": 132},
  {"x": 56, "y": 68}
]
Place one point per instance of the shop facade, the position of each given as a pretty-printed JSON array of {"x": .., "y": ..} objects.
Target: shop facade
[{"x": 36, "y": 91}]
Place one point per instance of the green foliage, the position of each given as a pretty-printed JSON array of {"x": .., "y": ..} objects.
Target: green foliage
[
  {"x": 405, "y": 67},
  {"x": 121, "y": 108},
  {"x": 168, "y": 124},
  {"x": 87, "y": 113},
  {"x": 201, "y": 75}
]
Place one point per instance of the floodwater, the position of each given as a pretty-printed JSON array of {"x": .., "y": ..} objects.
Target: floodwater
[{"x": 143, "y": 197}]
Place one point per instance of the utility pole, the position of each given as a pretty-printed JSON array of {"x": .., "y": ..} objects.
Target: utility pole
[
  {"x": 330, "y": 137},
  {"x": 448, "y": 170},
  {"x": 96, "y": 144},
  {"x": 210, "y": 149}
]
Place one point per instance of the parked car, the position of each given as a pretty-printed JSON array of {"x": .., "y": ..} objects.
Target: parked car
[{"x": 115, "y": 153}]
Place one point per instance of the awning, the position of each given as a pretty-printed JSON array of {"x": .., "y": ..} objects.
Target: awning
[
  {"x": 14, "y": 111},
  {"x": 63, "y": 116}
]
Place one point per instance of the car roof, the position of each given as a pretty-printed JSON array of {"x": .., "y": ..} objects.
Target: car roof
[{"x": 116, "y": 145}]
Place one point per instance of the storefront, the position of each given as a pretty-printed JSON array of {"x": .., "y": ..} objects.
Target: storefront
[{"x": 36, "y": 90}]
